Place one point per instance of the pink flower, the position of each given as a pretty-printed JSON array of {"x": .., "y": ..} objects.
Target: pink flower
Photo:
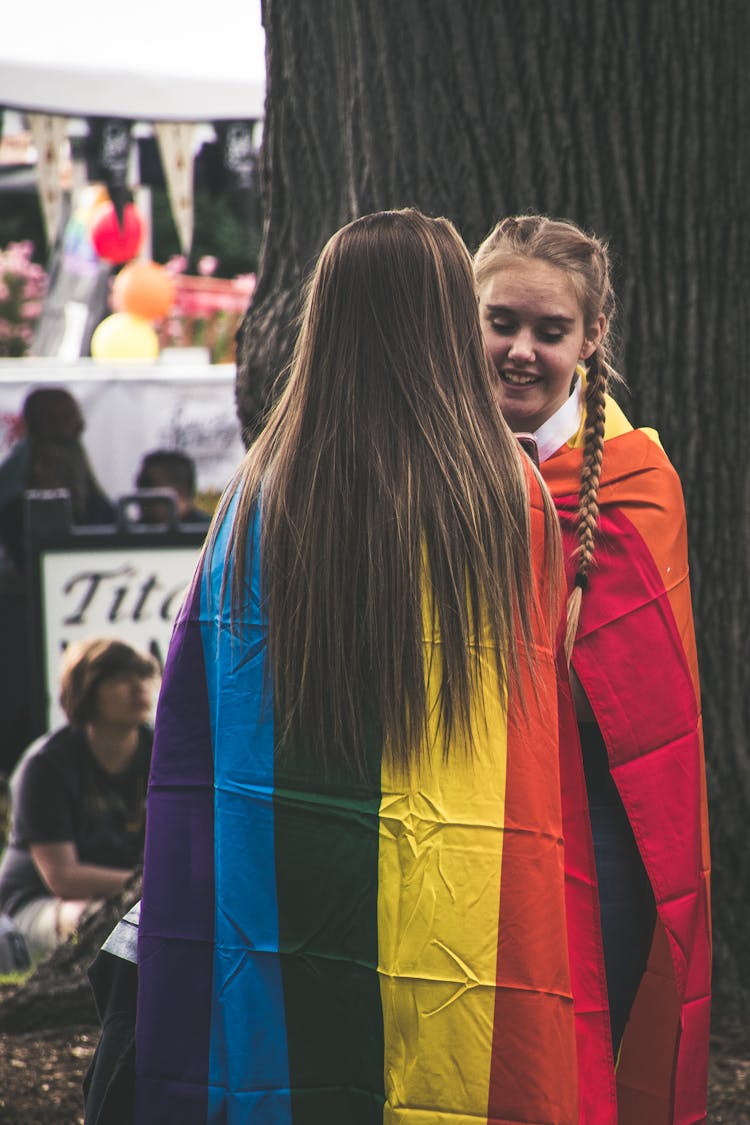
[
  {"x": 207, "y": 265},
  {"x": 176, "y": 264},
  {"x": 17, "y": 257},
  {"x": 246, "y": 282},
  {"x": 36, "y": 273},
  {"x": 22, "y": 287}
]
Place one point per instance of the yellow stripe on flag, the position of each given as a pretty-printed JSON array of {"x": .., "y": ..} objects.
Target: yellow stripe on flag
[{"x": 441, "y": 847}]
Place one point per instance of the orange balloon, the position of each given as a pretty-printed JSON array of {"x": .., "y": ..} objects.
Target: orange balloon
[{"x": 143, "y": 289}]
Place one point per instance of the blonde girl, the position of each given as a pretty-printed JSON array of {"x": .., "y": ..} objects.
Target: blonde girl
[{"x": 546, "y": 307}]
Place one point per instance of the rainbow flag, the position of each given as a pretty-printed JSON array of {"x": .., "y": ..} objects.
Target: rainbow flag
[
  {"x": 316, "y": 952},
  {"x": 635, "y": 657}
]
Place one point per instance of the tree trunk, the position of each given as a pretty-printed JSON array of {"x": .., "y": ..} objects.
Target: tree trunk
[{"x": 629, "y": 118}]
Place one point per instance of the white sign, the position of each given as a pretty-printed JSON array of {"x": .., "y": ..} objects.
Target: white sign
[{"x": 131, "y": 593}]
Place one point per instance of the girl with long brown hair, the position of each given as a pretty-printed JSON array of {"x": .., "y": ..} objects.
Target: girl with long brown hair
[
  {"x": 546, "y": 306},
  {"x": 353, "y": 900}
]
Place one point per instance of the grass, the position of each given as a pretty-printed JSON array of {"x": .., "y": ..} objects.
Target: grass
[{"x": 11, "y": 979}]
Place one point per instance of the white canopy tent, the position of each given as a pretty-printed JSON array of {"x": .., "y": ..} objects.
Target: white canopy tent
[
  {"x": 76, "y": 91},
  {"x": 161, "y": 64},
  {"x": 147, "y": 60},
  {"x": 165, "y": 67}
]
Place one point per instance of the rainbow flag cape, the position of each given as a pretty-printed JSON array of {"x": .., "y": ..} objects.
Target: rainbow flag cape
[
  {"x": 635, "y": 657},
  {"x": 339, "y": 952}
]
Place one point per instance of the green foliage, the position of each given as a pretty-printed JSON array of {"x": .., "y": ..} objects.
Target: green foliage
[
  {"x": 21, "y": 220},
  {"x": 220, "y": 232},
  {"x": 19, "y": 977}
]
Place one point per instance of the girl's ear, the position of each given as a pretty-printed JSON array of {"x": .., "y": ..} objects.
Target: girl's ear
[{"x": 591, "y": 343}]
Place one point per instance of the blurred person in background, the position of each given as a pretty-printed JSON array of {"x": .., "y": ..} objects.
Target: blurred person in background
[
  {"x": 54, "y": 466},
  {"x": 50, "y": 414},
  {"x": 170, "y": 469},
  {"x": 77, "y": 795},
  {"x": 51, "y": 456}
]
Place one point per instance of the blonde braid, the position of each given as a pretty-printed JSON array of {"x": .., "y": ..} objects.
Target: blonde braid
[{"x": 588, "y": 495}]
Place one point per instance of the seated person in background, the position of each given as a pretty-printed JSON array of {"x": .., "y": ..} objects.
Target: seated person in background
[
  {"x": 169, "y": 468},
  {"x": 77, "y": 795}
]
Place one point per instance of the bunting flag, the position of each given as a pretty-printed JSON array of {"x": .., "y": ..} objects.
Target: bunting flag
[
  {"x": 332, "y": 952},
  {"x": 108, "y": 150},
  {"x": 49, "y": 134},
  {"x": 240, "y": 169},
  {"x": 239, "y": 153},
  {"x": 176, "y": 148},
  {"x": 636, "y": 659}
]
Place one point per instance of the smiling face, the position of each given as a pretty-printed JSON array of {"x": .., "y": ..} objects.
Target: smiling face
[{"x": 533, "y": 329}]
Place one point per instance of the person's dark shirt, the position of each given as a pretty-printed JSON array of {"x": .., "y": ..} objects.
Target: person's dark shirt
[{"x": 60, "y": 793}]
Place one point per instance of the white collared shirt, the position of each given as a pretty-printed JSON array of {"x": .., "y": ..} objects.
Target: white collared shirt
[{"x": 563, "y": 424}]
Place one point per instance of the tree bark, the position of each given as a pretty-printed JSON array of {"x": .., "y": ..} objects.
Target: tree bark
[{"x": 630, "y": 119}]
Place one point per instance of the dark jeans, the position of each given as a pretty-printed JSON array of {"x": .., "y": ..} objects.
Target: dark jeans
[
  {"x": 626, "y": 901},
  {"x": 109, "y": 1084}
]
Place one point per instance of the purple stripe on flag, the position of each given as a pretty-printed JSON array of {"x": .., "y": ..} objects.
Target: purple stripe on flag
[{"x": 177, "y": 916}]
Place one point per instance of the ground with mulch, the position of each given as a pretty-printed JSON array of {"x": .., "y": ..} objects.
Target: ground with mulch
[{"x": 41, "y": 1074}]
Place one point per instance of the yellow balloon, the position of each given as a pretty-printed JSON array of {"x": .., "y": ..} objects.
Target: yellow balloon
[{"x": 124, "y": 336}]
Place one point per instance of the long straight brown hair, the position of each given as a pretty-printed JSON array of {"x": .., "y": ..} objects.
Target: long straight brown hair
[{"x": 387, "y": 480}]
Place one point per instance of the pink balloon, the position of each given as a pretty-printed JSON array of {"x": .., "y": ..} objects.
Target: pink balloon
[{"x": 114, "y": 242}]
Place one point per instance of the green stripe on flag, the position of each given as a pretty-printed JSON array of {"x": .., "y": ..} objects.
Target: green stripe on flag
[{"x": 326, "y": 836}]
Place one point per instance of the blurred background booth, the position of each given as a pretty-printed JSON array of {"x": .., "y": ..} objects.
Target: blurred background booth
[{"x": 140, "y": 145}]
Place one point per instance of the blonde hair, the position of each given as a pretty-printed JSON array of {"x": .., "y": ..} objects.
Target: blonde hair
[
  {"x": 584, "y": 258},
  {"x": 386, "y": 444}
]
